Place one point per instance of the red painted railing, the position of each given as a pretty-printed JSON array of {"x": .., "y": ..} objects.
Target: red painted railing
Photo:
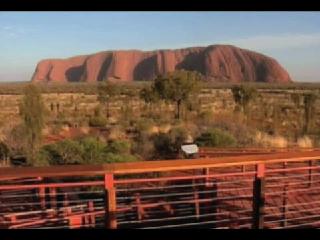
[{"x": 273, "y": 190}]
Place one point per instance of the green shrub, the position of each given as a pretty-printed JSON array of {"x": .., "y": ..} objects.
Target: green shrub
[
  {"x": 119, "y": 147},
  {"x": 94, "y": 151},
  {"x": 118, "y": 158},
  {"x": 178, "y": 136},
  {"x": 64, "y": 152},
  {"x": 97, "y": 121},
  {"x": 85, "y": 151},
  {"x": 205, "y": 117},
  {"x": 243, "y": 133},
  {"x": 166, "y": 145},
  {"x": 144, "y": 125},
  {"x": 42, "y": 159},
  {"x": 142, "y": 144},
  {"x": 216, "y": 138},
  {"x": 162, "y": 145}
]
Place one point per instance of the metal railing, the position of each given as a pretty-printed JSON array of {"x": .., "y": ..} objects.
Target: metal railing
[{"x": 273, "y": 190}]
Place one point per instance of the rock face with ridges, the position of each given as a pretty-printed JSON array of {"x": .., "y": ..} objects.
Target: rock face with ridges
[{"x": 220, "y": 63}]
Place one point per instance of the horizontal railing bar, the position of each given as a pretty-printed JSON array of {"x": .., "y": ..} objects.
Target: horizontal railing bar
[
  {"x": 65, "y": 218},
  {"x": 215, "y": 206},
  {"x": 201, "y": 223},
  {"x": 292, "y": 219},
  {"x": 290, "y": 191},
  {"x": 53, "y": 185},
  {"x": 64, "y": 226},
  {"x": 294, "y": 169},
  {"x": 56, "y": 211},
  {"x": 191, "y": 177},
  {"x": 184, "y": 185},
  {"x": 179, "y": 210},
  {"x": 298, "y": 225},
  {"x": 185, "y": 193},
  {"x": 244, "y": 225},
  {"x": 156, "y": 166},
  {"x": 57, "y": 194},
  {"x": 293, "y": 205},
  {"x": 41, "y": 221},
  {"x": 299, "y": 176},
  {"x": 19, "y": 180},
  {"x": 38, "y": 203},
  {"x": 181, "y": 217},
  {"x": 241, "y": 197},
  {"x": 289, "y": 184},
  {"x": 232, "y": 197},
  {"x": 291, "y": 212},
  {"x": 102, "y": 225},
  {"x": 205, "y": 163}
]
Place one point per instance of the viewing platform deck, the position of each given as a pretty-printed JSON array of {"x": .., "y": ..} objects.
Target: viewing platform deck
[{"x": 226, "y": 188}]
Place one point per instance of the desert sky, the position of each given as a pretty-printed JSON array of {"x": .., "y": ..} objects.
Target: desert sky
[{"x": 293, "y": 38}]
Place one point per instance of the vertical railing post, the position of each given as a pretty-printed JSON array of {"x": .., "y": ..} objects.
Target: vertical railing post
[
  {"x": 111, "y": 204},
  {"x": 42, "y": 196},
  {"x": 91, "y": 218},
  {"x": 196, "y": 198},
  {"x": 53, "y": 197},
  {"x": 206, "y": 172},
  {"x": 204, "y": 207},
  {"x": 259, "y": 197},
  {"x": 284, "y": 198},
  {"x": 284, "y": 206},
  {"x": 215, "y": 197},
  {"x": 212, "y": 193},
  {"x": 65, "y": 200},
  {"x": 310, "y": 173},
  {"x": 284, "y": 166}
]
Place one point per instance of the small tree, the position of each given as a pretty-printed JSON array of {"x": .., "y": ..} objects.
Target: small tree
[
  {"x": 98, "y": 120},
  {"x": 106, "y": 92},
  {"x": 177, "y": 87},
  {"x": 14, "y": 141},
  {"x": 308, "y": 101},
  {"x": 243, "y": 96},
  {"x": 32, "y": 111},
  {"x": 142, "y": 143},
  {"x": 4, "y": 152},
  {"x": 149, "y": 96},
  {"x": 216, "y": 138}
]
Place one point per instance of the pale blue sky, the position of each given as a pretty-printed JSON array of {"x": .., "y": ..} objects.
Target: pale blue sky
[{"x": 293, "y": 38}]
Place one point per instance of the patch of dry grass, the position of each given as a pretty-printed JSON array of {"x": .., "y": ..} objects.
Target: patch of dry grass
[
  {"x": 305, "y": 142},
  {"x": 266, "y": 140}
]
